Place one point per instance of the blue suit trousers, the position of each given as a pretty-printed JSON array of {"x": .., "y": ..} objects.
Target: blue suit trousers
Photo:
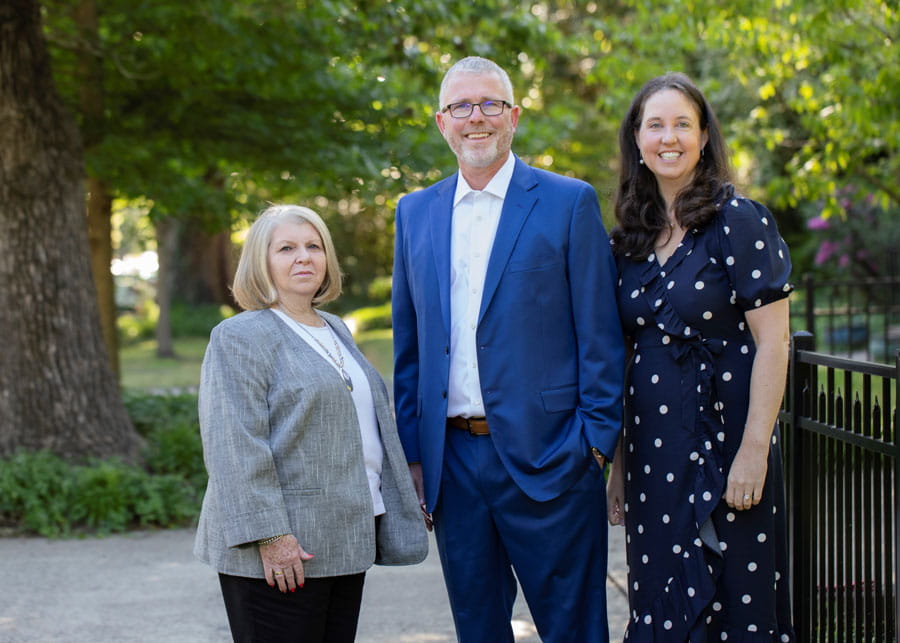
[{"x": 489, "y": 533}]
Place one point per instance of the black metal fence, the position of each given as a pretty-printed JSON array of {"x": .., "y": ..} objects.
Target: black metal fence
[
  {"x": 842, "y": 466},
  {"x": 857, "y": 318}
]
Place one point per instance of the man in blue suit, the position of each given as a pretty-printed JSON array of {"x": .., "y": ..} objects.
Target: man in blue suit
[{"x": 508, "y": 372}]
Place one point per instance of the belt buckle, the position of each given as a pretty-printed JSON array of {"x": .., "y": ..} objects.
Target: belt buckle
[{"x": 470, "y": 426}]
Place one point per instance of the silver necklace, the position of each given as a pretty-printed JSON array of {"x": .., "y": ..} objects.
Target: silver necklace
[{"x": 337, "y": 362}]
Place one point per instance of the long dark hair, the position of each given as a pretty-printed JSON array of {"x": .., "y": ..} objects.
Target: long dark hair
[{"x": 640, "y": 208}]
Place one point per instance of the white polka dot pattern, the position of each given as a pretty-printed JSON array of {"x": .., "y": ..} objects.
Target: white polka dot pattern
[{"x": 693, "y": 402}]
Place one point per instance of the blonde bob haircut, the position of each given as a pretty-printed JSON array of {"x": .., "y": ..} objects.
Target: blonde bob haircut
[{"x": 253, "y": 287}]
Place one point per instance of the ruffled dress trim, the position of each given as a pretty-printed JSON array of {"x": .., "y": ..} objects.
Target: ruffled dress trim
[{"x": 690, "y": 592}]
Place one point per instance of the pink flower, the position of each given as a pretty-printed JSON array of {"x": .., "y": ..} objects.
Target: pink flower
[
  {"x": 818, "y": 223},
  {"x": 826, "y": 250}
]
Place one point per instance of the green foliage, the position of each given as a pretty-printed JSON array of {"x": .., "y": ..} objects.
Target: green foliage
[
  {"x": 196, "y": 320},
  {"x": 186, "y": 321},
  {"x": 809, "y": 126},
  {"x": 175, "y": 449},
  {"x": 380, "y": 289},
  {"x": 378, "y": 347},
  {"x": 151, "y": 412},
  {"x": 41, "y": 493},
  {"x": 857, "y": 244},
  {"x": 102, "y": 494},
  {"x": 35, "y": 493},
  {"x": 138, "y": 325},
  {"x": 211, "y": 109},
  {"x": 370, "y": 318}
]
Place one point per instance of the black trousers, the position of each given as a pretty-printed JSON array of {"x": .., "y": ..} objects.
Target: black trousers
[{"x": 324, "y": 610}]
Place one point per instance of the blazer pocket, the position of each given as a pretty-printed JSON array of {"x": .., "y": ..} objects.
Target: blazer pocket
[
  {"x": 303, "y": 493},
  {"x": 560, "y": 399},
  {"x": 532, "y": 264}
]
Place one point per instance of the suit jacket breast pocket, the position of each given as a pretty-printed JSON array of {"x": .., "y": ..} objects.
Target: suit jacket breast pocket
[{"x": 534, "y": 264}]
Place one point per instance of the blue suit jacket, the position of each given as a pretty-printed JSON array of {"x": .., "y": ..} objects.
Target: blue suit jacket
[{"x": 550, "y": 351}]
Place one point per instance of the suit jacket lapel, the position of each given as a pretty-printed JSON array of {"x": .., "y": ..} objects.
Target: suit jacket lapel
[
  {"x": 517, "y": 205},
  {"x": 440, "y": 215}
]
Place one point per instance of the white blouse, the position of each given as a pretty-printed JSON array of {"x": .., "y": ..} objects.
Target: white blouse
[{"x": 373, "y": 452}]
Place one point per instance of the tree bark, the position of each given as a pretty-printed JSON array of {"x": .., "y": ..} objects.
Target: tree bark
[
  {"x": 57, "y": 390},
  {"x": 166, "y": 245},
  {"x": 205, "y": 267},
  {"x": 99, "y": 226},
  {"x": 99, "y": 204}
]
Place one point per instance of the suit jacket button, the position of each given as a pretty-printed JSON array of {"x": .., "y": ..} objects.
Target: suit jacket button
[{"x": 444, "y": 394}]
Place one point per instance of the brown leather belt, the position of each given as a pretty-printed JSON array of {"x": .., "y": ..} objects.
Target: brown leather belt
[{"x": 475, "y": 426}]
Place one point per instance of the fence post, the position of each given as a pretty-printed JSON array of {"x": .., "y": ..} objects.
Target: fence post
[
  {"x": 892, "y": 422},
  {"x": 797, "y": 480},
  {"x": 809, "y": 286}
]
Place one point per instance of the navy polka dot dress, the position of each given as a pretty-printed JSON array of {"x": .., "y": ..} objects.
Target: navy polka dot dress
[{"x": 697, "y": 570}]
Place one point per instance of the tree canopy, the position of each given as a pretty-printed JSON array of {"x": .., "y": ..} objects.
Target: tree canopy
[{"x": 332, "y": 103}]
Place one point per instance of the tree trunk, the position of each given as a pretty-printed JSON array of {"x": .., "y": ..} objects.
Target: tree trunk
[
  {"x": 99, "y": 205},
  {"x": 99, "y": 226},
  {"x": 166, "y": 245},
  {"x": 204, "y": 264},
  {"x": 205, "y": 267},
  {"x": 57, "y": 390}
]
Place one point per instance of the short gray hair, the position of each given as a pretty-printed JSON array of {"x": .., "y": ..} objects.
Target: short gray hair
[{"x": 477, "y": 65}]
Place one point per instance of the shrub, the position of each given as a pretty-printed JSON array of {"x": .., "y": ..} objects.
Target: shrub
[
  {"x": 196, "y": 320},
  {"x": 139, "y": 324},
  {"x": 186, "y": 320},
  {"x": 149, "y": 411},
  {"x": 371, "y": 318},
  {"x": 176, "y": 449},
  {"x": 42, "y": 493},
  {"x": 102, "y": 495},
  {"x": 35, "y": 491}
]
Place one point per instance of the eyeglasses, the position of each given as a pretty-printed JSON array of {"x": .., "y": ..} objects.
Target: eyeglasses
[{"x": 487, "y": 107}]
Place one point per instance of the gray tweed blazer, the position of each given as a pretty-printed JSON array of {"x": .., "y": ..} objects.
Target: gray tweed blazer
[{"x": 283, "y": 450}]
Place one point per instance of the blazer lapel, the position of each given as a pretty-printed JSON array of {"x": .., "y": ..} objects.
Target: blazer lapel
[
  {"x": 517, "y": 205},
  {"x": 440, "y": 215}
]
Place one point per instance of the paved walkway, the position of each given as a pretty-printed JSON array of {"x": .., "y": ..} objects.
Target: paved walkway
[{"x": 147, "y": 587}]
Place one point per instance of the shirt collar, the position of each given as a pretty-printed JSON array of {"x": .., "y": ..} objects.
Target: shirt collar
[{"x": 498, "y": 185}]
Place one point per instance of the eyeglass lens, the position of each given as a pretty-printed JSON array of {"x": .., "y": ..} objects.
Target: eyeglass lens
[{"x": 488, "y": 108}]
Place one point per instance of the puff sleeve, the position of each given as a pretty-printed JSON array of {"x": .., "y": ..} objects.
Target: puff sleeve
[{"x": 757, "y": 259}]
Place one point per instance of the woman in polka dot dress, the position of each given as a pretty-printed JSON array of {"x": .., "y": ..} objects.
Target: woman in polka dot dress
[{"x": 697, "y": 478}]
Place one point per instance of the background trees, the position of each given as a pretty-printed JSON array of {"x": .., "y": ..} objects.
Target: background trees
[
  {"x": 57, "y": 390},
  {"x": 196, "y": 114}
]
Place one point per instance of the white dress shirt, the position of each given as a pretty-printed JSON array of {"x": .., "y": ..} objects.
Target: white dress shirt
[{"x": 476, "y": 214}]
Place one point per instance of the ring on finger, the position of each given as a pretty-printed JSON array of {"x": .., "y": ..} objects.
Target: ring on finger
[{"x": 278, "y": 573}]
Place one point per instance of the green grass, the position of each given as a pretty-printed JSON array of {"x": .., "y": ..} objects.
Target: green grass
[
  {"x": 142, "y": 369},
  {"x": 378, "y": 347}
]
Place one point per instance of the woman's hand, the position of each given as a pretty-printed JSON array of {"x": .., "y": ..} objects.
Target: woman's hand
[
  {"x": 615, "y": 489},
  {"x": 415, "y": 472},
  {"x": 747, "y": 476},
  {"x": 615, "y": 495},
  {"x": 769, "y": 326},
  {"x": 283, "y": 563}
]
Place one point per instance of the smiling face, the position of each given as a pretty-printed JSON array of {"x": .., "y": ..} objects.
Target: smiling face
[
  {"x": 481, "y": 143},
  {"x": 670, "y": 138},
  {"x": 297, "y": 265}
]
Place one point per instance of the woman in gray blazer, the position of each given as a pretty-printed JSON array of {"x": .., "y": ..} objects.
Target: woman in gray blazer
[{"x": 308, "y": 485}]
